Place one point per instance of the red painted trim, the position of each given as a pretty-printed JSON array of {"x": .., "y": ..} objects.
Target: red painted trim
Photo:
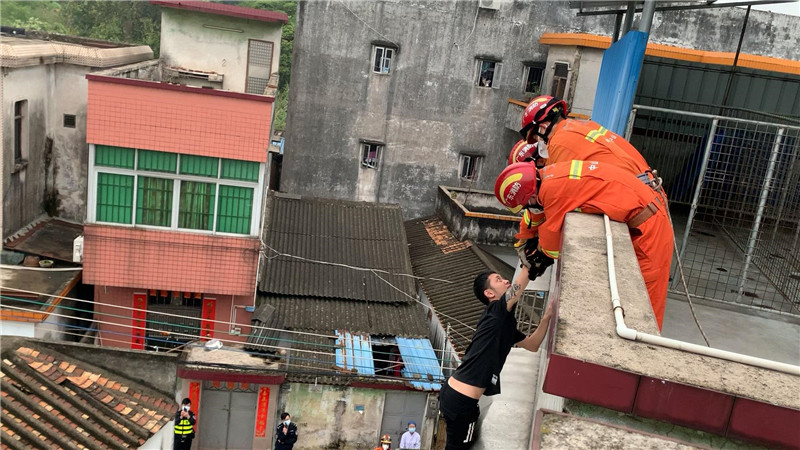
[
  {"x": 221, "y": 9},
  {"x": 211, "y": 375},
  {"x": 766, "y": 424},
  {"x": 591, "y": 383},
  {"x": 178, "y": 87},
  {"x": 683, "y": 405},
  {"x": 194, "y": 397},
  {"x": 139, "y": 321},
  {"x": 262, "y": 411}
]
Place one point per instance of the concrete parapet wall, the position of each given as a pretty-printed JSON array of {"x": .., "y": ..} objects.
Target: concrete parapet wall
[
  {"x": 476, "y": 216},
  {"x": 590, "y": 363}
]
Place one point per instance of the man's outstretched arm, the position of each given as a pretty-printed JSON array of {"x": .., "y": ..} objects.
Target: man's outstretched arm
[
  {"x": 534, "y": 340},
  {"x": 517, "y": 288}
]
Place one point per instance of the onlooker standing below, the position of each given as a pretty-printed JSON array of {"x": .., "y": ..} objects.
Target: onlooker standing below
[
  {"x": 184, "y": 426},
  {"x": 285, "y": 433},
  {"x": 410, "y": 439}
]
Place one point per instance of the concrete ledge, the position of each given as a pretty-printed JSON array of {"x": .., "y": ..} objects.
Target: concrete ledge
[
  {"x": 558, "y": 430},
  {"x": 590, "y": 363}
]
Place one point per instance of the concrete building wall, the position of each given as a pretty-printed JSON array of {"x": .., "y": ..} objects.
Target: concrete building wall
[
  {"x": 428, "y": 110},
  {"x": 57, "y": 171},
  {"x": 23, "y": 188},
  {"x": 212, "y": 43},
  {"x": 326, "y": 416}
]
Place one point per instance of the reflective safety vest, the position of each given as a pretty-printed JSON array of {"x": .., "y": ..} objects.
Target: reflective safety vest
[{"x": 184, "y": 427}]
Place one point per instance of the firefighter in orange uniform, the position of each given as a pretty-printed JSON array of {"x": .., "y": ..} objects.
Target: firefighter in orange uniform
[{"x": 596, "y": 188}]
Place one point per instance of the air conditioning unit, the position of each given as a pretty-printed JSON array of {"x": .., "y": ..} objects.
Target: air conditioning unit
[
  {"x": 489, "y": 4},
  {"x": 77, "y": 249}
]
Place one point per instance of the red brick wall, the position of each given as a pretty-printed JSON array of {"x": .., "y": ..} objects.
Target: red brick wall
[
  {"x": 170, "y": 260},
  {"x": 176, "y": 121},
  {"x": 115, "y": 331}
]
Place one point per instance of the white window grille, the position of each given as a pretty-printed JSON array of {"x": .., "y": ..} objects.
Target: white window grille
[
  {"x": 259, "y": 63},
  {"x": 382, "y": 59},
  {"x": 469, "y": 167},
  {"x": 488, "y": 73},
  {"x": 370, "y": 155}
]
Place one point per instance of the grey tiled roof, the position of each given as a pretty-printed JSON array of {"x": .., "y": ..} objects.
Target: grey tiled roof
[
  {"x": 435, "y": 253},
  {"x": 357, "y": 234},
  {"x": 327, "y": 315}
]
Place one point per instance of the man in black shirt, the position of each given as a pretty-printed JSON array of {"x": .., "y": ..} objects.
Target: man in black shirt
[{"x": 479, "y": 372}]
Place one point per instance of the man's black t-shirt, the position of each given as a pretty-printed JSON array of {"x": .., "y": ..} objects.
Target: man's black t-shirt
[{"x": 494, "y": 336}]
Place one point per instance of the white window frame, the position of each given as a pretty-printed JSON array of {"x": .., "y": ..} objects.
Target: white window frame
[
  {"x": 497, "y": 72},
  {"x": 255, "y": 214},
  {"x": 385, "y": 63},
  {"x": 365, "y": 149},
  {"x": 474, "y": 161},
  {"x": 526, "y": 74}
]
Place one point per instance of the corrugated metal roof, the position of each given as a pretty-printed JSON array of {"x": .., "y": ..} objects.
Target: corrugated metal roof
[
  {"x": 420, "y": 362},
  {"x": 454, "y": 302},
  {"x": 358, "y": 234},
  {"x": 354, "y": 353},
  {"x": 326, "y": 315}
]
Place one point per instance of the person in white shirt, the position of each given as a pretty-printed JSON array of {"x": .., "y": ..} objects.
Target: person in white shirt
[{"x": 410, "y": 439}]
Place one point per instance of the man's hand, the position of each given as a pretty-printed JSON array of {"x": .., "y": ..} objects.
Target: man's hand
[
  {"x": 184, "y": 414},
  {"x": 526, "y": 249}
]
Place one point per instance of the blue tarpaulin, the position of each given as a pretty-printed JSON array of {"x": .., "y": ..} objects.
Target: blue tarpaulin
[
  {"x": 420, "y": 363},
  {"x": 616, "y": 86}
]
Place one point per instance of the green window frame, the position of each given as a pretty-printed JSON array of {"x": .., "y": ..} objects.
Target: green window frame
[
  {"x": 157, "y": 161},
  {"x": 114, "y": 198},
  {"x": 109, "y": 156},
  {"x": 154, "y": 201},
  {"x": 196, "y": 208},
  {"x": 203, "y": 166},
  {"x": 235, "y": 209},
  {"x": 234, "y": 169}
]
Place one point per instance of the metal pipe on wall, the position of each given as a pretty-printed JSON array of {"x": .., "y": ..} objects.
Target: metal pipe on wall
[
  {"x": 628, "y": 18},
  {"x": 648, "y": 12}
]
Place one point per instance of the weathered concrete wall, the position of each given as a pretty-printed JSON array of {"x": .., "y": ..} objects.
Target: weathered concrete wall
[
  {"x": 185, "y": 42},
  {"x": 429, "y": 110},
  {"x": 326, "y": 415},
  {"x": 157, "y": 370},
  {"x": 23, "y": 190},
  {"x": 51, "y": 90}
]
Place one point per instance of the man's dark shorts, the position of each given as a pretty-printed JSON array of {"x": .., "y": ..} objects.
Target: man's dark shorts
[{"x": 461, "y": 415}]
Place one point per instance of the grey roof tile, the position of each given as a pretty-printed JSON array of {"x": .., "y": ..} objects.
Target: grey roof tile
[{"x": 356, "y": 234}]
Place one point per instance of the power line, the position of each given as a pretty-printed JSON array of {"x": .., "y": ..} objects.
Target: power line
[
  {"x": 232, "y": 349},
  {"x": 191, "y": 328}
]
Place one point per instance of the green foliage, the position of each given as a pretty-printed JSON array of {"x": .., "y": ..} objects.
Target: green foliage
[
  {"x": 281, "y": 105},
  {"x": 40, "y": 15},
  {"x": 136, "y": 22}
]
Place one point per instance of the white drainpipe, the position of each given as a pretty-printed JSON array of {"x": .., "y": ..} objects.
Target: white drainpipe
[{"x": 629, "y": 333}]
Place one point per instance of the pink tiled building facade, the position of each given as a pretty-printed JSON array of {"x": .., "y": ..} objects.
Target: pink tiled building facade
[{"x": 176, "y": 182}]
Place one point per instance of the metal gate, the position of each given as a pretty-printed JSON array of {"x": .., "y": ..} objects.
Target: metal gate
[
  {"x": 400, "y": 407},
  {"x": 227, "y": 416},
  {"x": 734, "y": 190}
]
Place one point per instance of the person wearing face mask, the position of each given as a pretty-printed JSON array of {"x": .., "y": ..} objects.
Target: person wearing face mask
[
  {"x": 386, "y": 443},
  {"x": 285, "y": 433},
  {"x": 184, "y": 426},
  {"x": 410, "y": 439}
]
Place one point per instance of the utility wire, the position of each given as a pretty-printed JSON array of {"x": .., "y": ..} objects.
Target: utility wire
[
  {"x": 368, "y": 25},
  {"x": 232, "y": 349},
  {"x": 191, "y": 328}
]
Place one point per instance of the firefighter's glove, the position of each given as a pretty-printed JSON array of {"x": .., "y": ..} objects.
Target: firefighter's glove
[
  {"x": 525, "y": 249},
  {"x": 539, "y": 263}
]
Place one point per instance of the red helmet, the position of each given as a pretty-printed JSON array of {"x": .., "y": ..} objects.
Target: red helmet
[
  {"x": 522, "y": 152},
  {"x": 386, "y": 439},
  {"x": 515, "y": 186},
  {"x": 541, "y": 109}
]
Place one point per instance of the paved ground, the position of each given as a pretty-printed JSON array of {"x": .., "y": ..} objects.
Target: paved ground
[{"x": 740, "y": 332}]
